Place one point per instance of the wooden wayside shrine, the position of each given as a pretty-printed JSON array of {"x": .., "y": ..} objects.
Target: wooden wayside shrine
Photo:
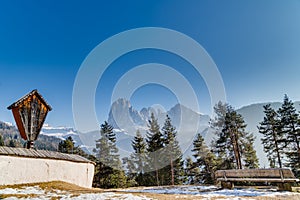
[{"x": 30, "y": 113}]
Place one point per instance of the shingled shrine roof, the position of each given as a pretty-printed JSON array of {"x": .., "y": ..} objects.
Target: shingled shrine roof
[
  {"x": 33, "y": 92},
  {"x": 32, "y": 153}
]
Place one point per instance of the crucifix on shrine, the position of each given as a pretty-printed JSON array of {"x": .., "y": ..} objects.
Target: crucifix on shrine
[{"x": 30, "y": 113}]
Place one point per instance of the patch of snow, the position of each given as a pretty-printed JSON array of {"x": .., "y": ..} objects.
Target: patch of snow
[
  {"x": 242, "y": 193},
  {"x": 43, "y": 195},
  {"x": 209, "y": 191},
  {"x": 190, "y": 190},
  {"x": 118, "y": 130},
  {"x": 8, "y": 123},
  {"x": 110, "y": 195},
  {"x": 200, "y": 192},
  {"x": 27, "y": 190},
  {"x": 71, "y": 132},
  {"x": 57, "y": 135}
]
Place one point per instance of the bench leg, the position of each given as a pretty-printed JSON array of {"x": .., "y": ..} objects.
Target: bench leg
[
  {"x": 227, "y": 185},
  {"x": 285, "y": 187}
]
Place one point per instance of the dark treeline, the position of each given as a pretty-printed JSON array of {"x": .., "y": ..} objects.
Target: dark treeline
[{"x": 157, "y": 158}]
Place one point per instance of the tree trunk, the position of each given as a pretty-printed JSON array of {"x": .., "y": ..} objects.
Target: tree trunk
[
  {"x": 157, "y": 179},
  {"x": 277, "y": 149},
  {"x": 295, "y": 137},
  {"x": 156, "y": 170},
  {"x": 172, "y": 171},
  {"x": 234, "y": 141}
]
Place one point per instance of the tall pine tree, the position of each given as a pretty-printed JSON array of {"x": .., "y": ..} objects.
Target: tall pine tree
[
  {"x": 108, "y": 169},
  {"x": 289, "y": 119},
  {"x": 220, "y": 144},
  {"x": 273, "y": 138},
  {"x": 172, "y": 154},
  {"x": 205, "y": 161},
  {"x": 155, "y": 144},
  {"x": 139, "y": 157},
  {"x": 233, "y": 144},
  {"x": 234, "y": 128},
  {"x": 250, "y": 158}
]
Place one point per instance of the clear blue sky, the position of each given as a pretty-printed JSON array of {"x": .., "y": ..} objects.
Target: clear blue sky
[{"x": 255, "y": 44}]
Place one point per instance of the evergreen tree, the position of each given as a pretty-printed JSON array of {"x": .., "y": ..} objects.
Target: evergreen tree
[
  {"x": 250, "y": 158},
  {"x": 1, "y": 141},
  {"x": 289, "y": 120},
  {"x": 67, "y": 146},
  {"x": 108, "y": 168},
  {"x": 221, "y": 146},
  {"x": 172, "y": 154},
  {"x": 139, "y": 147},
  {"x": 205, "y": 161},
  {"x": 154, "y": 149},
  {"x": 12, "y": 143},
  {"x": 273, "y": 138},
  {"x": 138, "y": 158},
  {"x": 234, "y": 128},
  {"x": 106, "y": 146},
  {"x": 191, "y": 172},
  {"x": 131, "y": 173},
  {"x": 233, "y": 145}
]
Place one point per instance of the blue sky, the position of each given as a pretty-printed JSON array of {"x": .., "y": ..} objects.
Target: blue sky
[{"x": 255, "y": 45}]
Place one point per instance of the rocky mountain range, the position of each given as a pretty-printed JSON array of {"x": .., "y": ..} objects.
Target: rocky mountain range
[{"x": 126, "y": 120}]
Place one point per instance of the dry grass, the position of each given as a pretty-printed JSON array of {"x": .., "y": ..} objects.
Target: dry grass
[
  {"x": 50, "y": 187},
  {"x": 55, "y": 185}
]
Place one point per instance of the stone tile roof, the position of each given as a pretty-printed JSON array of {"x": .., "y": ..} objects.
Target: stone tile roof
[{"x": 31, "y": 153}]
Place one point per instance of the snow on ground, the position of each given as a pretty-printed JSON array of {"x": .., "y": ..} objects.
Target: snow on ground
[
  {"x": 190, "y": 190},
  {"x": 110, "y": 195},
  {"x": 37, "y": 193},
  {"x": 199, "y": 192},
  {"x": 210, "y": 191}
]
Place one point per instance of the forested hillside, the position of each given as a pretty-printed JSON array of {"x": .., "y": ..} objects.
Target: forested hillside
[{"x": 9, "y": 136}]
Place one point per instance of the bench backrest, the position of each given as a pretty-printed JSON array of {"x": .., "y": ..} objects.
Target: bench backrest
[{"x": 255, "y": 173}]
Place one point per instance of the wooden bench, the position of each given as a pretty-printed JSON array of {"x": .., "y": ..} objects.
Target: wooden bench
[{"x": 283, "y": 177}]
